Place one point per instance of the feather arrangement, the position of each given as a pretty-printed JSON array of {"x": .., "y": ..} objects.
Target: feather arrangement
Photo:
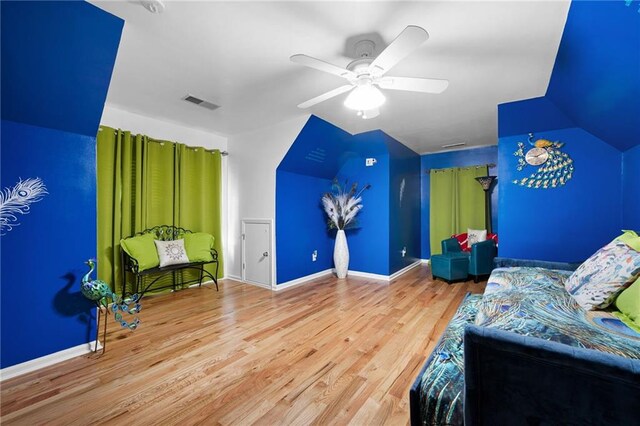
[
  {"x": 342, "y": 205},
  {"x": 16, "y": 200}
]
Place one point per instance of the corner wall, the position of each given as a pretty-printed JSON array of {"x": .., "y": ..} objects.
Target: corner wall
[
  {"x": 385, "y": 225},
  {"x": 252, "y": 163}
]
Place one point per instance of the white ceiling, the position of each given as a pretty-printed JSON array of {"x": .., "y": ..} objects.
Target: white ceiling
[{"x": 236, "y": 54}]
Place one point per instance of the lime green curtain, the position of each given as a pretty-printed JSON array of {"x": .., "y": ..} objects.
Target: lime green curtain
[
  {"x": 456, "y": 203},
  {"x": 144, "y": 183},
  {"x": 200, "y": 196}
]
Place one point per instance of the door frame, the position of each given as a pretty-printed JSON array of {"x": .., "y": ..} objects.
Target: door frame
[{"x": 268, "y": 222}]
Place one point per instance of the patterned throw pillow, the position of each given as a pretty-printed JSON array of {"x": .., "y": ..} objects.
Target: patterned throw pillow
[
  {"x": 597, "y": 282},
  {"x": 476, "y": 236},
  {"x": 171, "y": 252}
]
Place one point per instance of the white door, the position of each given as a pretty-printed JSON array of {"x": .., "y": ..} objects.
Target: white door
[{"x": 256, "y": 252}]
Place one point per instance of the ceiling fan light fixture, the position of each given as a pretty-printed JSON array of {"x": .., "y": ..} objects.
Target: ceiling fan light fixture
[{"x": 364, "y": 98}]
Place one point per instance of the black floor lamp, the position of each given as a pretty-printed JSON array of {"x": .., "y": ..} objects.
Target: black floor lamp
[{"x": 487, "y": 183}]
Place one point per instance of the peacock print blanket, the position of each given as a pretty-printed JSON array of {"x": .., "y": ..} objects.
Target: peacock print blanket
[{"x": 524, "y": 300}]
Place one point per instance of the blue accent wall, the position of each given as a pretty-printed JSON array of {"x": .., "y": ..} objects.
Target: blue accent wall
[
  {"x": 44, "y": 312},
  {"x": 631, "y": 189},
  {"x": 592, "y": 105},
  {"x": 300, "y": 226},
  {"x": 369, "y": 243},
  {"x": 57, "y": 60},
  {"x": 443, "y": 160},
  {"x": 596, "y": 76},
  {"x": 321, "y": 152},
  {"x": 404, "y": 205},
  {"x": 568, "y": 223}
]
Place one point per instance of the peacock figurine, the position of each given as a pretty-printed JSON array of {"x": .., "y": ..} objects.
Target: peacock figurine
[
  {"x": 96, "y": 290},
  {"x": 99, "y": 292}
]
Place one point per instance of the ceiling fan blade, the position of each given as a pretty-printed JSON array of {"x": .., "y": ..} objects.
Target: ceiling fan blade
[
  {"x": 406, "y": 42},
  {"x": 412, "y": 84},
  {"x": 318, "y": 64},
  {"x": 325, "y": 96}
]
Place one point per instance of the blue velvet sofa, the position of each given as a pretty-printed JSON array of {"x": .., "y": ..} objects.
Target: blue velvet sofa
[
  {"x": 539, "y": 327},
  {"x": 512, "y": 379}
]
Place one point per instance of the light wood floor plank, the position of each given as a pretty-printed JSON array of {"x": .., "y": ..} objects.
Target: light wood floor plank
[{"x": 327, "y": 352}]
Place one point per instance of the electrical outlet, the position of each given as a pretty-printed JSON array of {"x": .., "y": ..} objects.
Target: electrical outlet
[
  {"x": 314, "y": 256},
  {"x": 370, "y": 162},
  {"x": 404, "y": 251}
]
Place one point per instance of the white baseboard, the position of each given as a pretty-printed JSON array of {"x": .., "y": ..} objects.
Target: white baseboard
[
  {"x": 369, "y": 275},
  {"x": 261, "y": 285},
  {"x": 427, "y": 261},
  {"x": 302, "y": 280},
  {"x": 384, "y": 277},
  {"x": 47, "y": 360},
  {"x": 233, "y": 277},
  {"x": 405, "y": 269}
]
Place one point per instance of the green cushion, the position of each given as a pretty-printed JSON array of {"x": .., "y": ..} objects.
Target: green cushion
[
  {"x": 143, "y": 250},
  {"x": 198, "y": 246},
  {"x": 628, "y": 302},
  {"x": 631, "y": 239}
]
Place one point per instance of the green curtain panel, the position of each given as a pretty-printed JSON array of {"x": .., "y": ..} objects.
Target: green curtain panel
[
  {"x": 456, "y": 203},
  {"x": 144, "y": 183}
]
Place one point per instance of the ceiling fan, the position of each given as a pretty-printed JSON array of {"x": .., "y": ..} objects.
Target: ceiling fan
[{"x": 367, "y": 72}]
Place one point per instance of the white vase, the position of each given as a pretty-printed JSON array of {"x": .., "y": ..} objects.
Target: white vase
[{"x": 341, "y": 254}]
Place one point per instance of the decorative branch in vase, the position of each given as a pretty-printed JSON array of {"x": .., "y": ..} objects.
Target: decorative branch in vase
[{"x": 342, "y": 207}]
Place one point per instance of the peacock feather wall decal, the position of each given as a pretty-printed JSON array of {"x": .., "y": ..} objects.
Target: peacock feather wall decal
[{"x": 15, "y": 201}]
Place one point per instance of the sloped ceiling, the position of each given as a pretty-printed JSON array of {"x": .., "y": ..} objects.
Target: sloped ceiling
[
  {"x": 236, "y": 54},
  {"x": 57, "y": 63},
  {"x": 596, "y": 77}
]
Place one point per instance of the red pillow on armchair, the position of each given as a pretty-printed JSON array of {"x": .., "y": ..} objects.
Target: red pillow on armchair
[{"x": 462, "y": 240}]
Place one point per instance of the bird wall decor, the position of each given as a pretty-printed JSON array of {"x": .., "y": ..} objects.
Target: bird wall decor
[{"x": 555, "y": 168}]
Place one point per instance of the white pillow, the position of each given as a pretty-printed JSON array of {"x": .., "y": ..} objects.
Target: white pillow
[
  {"x": 171, "y": 252},
  {"x": 476, "y": 236}
]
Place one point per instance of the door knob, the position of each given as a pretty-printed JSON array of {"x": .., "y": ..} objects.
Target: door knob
[{"x": 265, "y": 254}]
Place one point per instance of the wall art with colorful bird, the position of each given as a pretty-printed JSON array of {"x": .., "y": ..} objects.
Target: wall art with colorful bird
[
  {"x": 100, "y": 293},
  {"x": 555, "y": 168}
]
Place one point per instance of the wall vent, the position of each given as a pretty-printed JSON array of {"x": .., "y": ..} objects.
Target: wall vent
[
  {"x": 451, "y": 145},
  {"x": 201, "y": 102}
]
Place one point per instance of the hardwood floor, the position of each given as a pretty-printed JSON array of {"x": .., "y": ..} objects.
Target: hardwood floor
[{"x": 327, "y": 352}]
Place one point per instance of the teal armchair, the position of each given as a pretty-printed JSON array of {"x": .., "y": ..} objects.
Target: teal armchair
[{"x": 480, "y": 258}]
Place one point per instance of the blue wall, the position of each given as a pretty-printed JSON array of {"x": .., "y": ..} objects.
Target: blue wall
[
  {"x": 592, "y": 105},
  {"x": 568, "y": 223},
  {"x": 443, "y": 160},
  {"x": 321, "y": 152},
  {"x": 44, "y": 312},
  {"x": 57, "y": 60},
  {"x": 299, "y": 226},
  {"x": 596, "y": 76},
  {"x": 631, "y": 189},
  {"x": 404, "y": 214},
  {"x": 369, "y": 244}
]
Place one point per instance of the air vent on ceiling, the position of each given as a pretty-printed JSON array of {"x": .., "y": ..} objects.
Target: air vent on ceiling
[
  {"x": 201, "y": 102},
  {"x": 451, "y": 145}
]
